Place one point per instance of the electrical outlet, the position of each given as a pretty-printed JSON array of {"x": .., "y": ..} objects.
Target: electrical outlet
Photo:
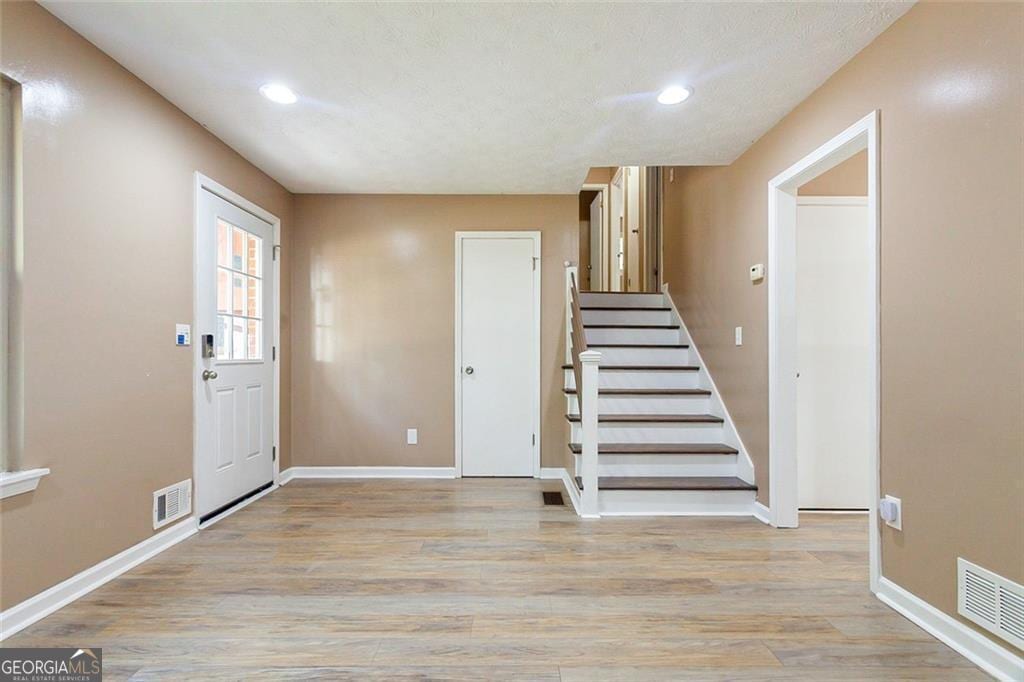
[
  {"x": 739, "y": 336},
  {"x": 411, "y": 436},
  {"x": 891, "y": 511},
  {"x": 757, "y": 272}
]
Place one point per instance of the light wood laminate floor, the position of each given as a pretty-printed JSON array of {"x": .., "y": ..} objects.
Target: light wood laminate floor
[{"x": 476, "y": 579}]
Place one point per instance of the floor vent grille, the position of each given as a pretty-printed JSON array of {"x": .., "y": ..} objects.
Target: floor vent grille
[
  {"x": 553, "y": 498},
  {"x": 172, "y": 502},
  {"x": 991, "y": 601}
]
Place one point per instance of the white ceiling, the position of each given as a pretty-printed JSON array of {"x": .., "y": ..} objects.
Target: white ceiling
[{"x": 479, "y": 98}]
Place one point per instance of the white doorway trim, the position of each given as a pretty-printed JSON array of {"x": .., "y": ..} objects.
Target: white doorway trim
[
  {"x": 782, "y": 348},
  {"x": 606, "y": 210},
  {"x": 533, "y": 235},
  {"x": 616, "y": 195},
  {"x": 205, "y": 184}
]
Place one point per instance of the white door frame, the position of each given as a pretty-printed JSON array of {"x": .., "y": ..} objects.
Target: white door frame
[
  {"x": 617, "y": 184},
  {"x": 606, "y": 211},
  {"x": 205, "y": 184},
  {"x": 782, "y": 349},
  {"x": 533, "y": 235}
]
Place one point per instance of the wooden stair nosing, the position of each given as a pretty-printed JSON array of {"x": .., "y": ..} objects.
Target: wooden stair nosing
[
  {"x": 658, "y": 449},
  {"x": 638, "y": 345},
  {"x": 709, "y": 483},
  {"x": 652, "y": 418},
  {"x": 629, "y": 326},
  {"x": 646, "y": 391},
  {"x": 661, "y": 309},
  {"x": 645, "y": 368},
  {"x": 625, "y": 293}
]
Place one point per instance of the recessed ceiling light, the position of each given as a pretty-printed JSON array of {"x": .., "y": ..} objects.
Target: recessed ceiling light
[
  {"x": 276, "y": 92},
  {"x": 674, "y": 94}
]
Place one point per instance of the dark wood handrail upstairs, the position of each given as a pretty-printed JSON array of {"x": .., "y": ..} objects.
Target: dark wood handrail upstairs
[{"x": 579, "y": 340}]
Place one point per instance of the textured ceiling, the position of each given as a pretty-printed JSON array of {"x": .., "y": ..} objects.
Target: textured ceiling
[{"x": 479, "y": 98}]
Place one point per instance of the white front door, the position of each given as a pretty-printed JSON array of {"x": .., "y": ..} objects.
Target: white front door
[
  {"x": 834, "y": 400},
  {"x": 500, "y": 368},
  {"x": 234, "y": 384}
]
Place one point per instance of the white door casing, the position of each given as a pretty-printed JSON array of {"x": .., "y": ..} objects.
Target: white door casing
[
  {"x": 634, "y": 240},
  {"x": 497, "y": 364},
  {"x": 782, "y": 339},
  {"x": 833, "y": 353},
  {"x": 616, "y": 236},
  {"x": 596, "y": 229},
  {"x": 235, "y": 392}
]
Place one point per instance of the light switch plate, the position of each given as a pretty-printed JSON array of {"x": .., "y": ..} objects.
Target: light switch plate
[
  {"x": 739, "y": 336},
  {"x": 411, "y": 436}
]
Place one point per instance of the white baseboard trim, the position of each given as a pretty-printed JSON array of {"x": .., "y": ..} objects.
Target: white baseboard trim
[
  {"x": 551, "y": 473},
  {"x": 978, "y": 649},
  {"x": 20, "y": 616},
  {"x": 367, "y": 472},
  {"x": 761, "y": 513}
]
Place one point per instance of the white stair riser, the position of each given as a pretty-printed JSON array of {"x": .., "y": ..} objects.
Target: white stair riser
[
  {"x": 661, "y": 404},
  {"x": 653, "y": 433},
  {"x": 664, "y": 465},
  {"x": 675, "y": 502},
  {"x": 644, "y": 356},
  {"x": 631, "y": 300},
  {"x": 642, "y": 379},
  {"x": 631, "y": 316},
  {"x": 642, "y": 335}
]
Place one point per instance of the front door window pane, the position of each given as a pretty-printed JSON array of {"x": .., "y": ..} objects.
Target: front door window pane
[
  {"x": 239, "y": 293},
  {"x": 223, "y": 337}
]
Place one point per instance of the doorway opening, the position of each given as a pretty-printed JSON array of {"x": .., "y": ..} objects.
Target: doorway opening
[
  {"x": 620, "y": 230},
  {"x": 823, "y": 338}
]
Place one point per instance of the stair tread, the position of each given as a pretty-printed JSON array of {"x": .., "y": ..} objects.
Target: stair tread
[
  {"x": 670, "y": 483},
  {"x": 638, "y": 345},
  {"x": 645, "y": 391},
  {"x": 624, "y": 307},
  {"x": 659, "y": 449},
  {"x": 646, "y": 368},
  {"x": 655, "y": 418},
  {"x": 629, "y": 326}
]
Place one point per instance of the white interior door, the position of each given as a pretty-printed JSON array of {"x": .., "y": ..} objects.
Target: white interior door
[
  {"x": 500, "y": 371},
  {"x": 234, "y": 389},
  {"x": 834, "y": 399},
  {"x": 596, "y": 229}
]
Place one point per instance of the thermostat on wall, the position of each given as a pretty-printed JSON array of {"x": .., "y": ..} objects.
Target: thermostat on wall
[
  {"x": 183, "y": 335},
  {"x": 757, "y": 272}
]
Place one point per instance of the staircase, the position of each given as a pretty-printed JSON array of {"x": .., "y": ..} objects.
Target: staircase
[{"x": 664, "y": 444}]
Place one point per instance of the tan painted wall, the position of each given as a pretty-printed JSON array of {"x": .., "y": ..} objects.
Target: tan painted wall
[
  {"x": 373, "y": 303},
  {"x": 108, "y": 194},
  {"x": 947, "y": 79},
  {"x": 848, "y": 179}
]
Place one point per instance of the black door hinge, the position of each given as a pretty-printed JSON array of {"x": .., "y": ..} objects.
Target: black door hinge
[
  {"x": 273, "y": 450},
  {"x": 273, "y": 352}
]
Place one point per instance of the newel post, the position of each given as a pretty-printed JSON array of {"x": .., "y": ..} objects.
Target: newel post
[{"x": 589, "y": 361}]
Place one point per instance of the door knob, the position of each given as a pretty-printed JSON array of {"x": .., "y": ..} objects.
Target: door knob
[
  {"x": 209, "y": 374},
  {"x": 469, "y": 370}
]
